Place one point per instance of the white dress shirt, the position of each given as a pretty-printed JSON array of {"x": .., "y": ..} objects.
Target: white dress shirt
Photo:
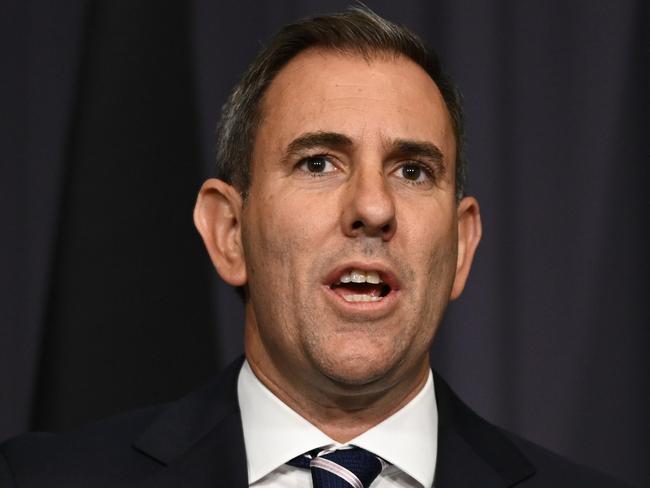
[{"x": 275, "y": 434}]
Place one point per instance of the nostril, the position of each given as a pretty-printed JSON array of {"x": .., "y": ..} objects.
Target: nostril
[
  {"x": 357, "y": 224},
  {"x": 386, "y": 229}
]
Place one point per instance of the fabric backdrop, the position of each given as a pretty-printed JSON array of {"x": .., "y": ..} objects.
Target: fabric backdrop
[{"x": 108, "y": 300}]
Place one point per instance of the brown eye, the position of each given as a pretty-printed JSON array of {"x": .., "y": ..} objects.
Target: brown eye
[
  {"x": 316, "y": 165},
  {"x": 415, "y": 173},
  {"x": 411, "y": 172}
]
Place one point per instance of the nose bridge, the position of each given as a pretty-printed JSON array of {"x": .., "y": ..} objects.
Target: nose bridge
[
  {"x": 370, "y": 188},
  {"x": 370, "y": 208}
]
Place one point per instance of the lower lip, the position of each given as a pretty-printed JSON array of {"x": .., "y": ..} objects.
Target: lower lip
[{"x": 386, "y": 304}]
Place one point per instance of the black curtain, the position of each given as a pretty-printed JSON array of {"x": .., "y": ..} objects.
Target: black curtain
[{"x": 109, "y": 302}]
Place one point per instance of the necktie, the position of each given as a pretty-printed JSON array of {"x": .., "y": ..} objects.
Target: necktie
[{"x": 343, "y": 468}]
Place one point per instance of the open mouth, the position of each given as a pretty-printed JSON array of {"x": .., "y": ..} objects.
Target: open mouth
[{"x": 356, "y": 285}]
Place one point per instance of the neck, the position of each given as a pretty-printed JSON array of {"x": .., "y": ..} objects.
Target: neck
[{"x": 341, "y": 411}]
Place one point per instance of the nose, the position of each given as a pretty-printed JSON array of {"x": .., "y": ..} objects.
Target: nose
[{"x": 369, "y": 208}]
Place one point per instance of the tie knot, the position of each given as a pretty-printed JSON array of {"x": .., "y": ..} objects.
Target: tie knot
[{"x": 342, "y": 468}]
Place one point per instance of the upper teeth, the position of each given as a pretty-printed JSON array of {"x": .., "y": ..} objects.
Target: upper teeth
[{"x": 359, "y": 276}]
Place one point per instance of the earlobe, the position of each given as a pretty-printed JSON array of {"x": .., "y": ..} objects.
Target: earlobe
[
  {"x": 469, "y": 236},
  {"x": 217, "y": 217}
]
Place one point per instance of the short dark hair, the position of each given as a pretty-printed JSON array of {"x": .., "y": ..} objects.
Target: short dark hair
[{"x": 356, "y": 31}]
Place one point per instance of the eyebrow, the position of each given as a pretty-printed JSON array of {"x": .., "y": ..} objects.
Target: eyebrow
[
  {"x": 310, "y": 140},
  {"x": 411, "y": 149}
]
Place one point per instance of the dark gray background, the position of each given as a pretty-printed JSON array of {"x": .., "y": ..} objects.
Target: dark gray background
[{"x": 108, "y": 301}]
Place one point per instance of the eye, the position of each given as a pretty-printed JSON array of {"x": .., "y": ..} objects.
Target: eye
[
  {"x": 415, "y": 173},
  {"x": 316, "y": 165}
]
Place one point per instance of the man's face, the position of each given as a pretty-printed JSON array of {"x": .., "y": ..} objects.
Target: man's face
[{"x": 352, "y": 181}]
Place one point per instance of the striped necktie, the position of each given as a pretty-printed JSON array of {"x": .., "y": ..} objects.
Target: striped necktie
[{"x": 342, "y": 468}]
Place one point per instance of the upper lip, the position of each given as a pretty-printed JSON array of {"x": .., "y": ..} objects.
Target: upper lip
[{"x": 386, "y": 275}]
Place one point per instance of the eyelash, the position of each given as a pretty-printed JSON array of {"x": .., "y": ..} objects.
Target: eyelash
[
  {"x": 430, "y": 173},
  {"x": 313, "y": 174}
]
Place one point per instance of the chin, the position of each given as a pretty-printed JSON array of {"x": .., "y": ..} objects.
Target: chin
[{"x": 356, "y": 370}]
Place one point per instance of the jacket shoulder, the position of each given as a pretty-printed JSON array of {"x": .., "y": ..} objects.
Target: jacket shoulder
[
  {"x": 465, "y": 439},
  {"x": 156, "y": 446},
  {"x": 97, "y": 455},
  {"x": 553, "y": 470}
]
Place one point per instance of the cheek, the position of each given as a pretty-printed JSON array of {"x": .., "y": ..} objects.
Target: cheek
[
  {"x": 292, "y": 226},
  {"x": 265, "y": 231},
  {"x": 432, "y": 247},
  {"x": 277, "y": 245}
]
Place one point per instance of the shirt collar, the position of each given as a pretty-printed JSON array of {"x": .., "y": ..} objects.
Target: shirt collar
[
  {"x": 408, "y": 439},
  {"x": 274, "y": 433}
]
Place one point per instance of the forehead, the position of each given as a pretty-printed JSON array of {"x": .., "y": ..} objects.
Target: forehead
[{"x": 384, "y": 97}]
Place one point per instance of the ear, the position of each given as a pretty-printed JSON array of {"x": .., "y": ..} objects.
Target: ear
[
  {"x": 217, "y": 217},
  {"x": 469, "y": 235}
]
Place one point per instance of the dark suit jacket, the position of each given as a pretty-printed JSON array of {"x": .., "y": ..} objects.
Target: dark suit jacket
[{"x": 198, "y": 442}]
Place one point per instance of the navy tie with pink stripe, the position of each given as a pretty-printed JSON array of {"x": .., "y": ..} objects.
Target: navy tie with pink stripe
[{"x": 343, "y": 468}]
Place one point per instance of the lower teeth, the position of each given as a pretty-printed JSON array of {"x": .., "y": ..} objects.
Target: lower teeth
[{"x": 361, "y": 298}]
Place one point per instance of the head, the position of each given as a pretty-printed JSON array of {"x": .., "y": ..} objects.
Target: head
[
  {"x": 358, "y": 31},
  {"x": 340, "y": 206}
]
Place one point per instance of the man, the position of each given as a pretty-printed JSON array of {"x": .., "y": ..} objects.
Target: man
[{"x": 339, "y": 210}]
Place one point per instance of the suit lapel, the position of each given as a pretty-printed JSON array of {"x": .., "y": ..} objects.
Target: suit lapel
[
  {"x": 198, "y": 441},
  {"x": 471, "y": 451}
]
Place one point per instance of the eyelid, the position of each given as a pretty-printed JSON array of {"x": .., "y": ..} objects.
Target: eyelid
[
  {"x": 304, "y": 159},
  {"x": 429, "y": 168},
  {"x": 429, "y": 171}
]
